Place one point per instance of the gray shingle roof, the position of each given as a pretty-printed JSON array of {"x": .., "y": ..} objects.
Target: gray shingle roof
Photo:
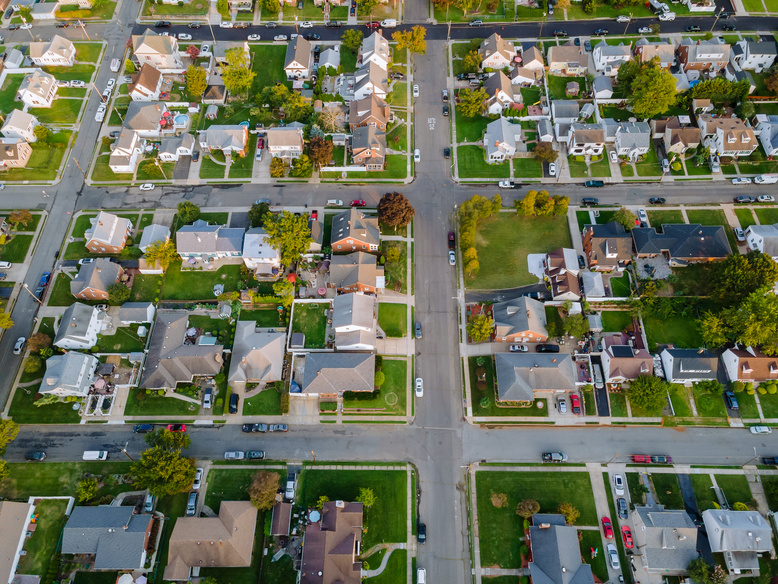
[
  {"x": 75, "y": 323},
  {"x": 200, "y": 237},
  {"x": 256, "y": 356},
  {"x": 519, "y": 315},
  {"x": 682, "y": 241},
  {"x": 98, "y": 275},
  {"x": 556, "y": 557},
  {"x": 152, "y": 233},
  {"x": 338, "y": 372},
  {"x": 355, "y": 224},
  {"x": 519, "y": 375},
  {"x": 691, "y": 364},
  {"x": 669, "y": 541}
]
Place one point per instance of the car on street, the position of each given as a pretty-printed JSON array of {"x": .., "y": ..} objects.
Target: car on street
[
  {"x": 62, "y": 25},
  {"x": 575, "y": 402},
  {"x": 505, "y": 184},
  {"x": 446, "y": 110},
  {"x": 226, "y": 24},
  {"x": 766, "y": 199},
  {"x": 594, "y": 184},
  {"x": 622, "y": 18},
  {"x": 740, "y": 235},
  {"x": 729, "y": 27},
  {"x": 19, "y": 345},
  {"x": 560, "y": 33},
  {"x": 26, "y": 26},
  {"x": 45, "y": 277},
  {"x": 731, "y": 400},
  {"x": 554, "y": 457},
  {"x": 234, "y": 455},
  {"x": 692, "y": 28},
  {"x": 193, "y": 25},
  {"x": 198, "y": 480},
  {"x": 760, "y": 430},
  {"x": 518, "y": 348},
  {"x": 601, "y": 32},
  {"x": 100, "y": 114},
  {"x": 546, "y": 348},
  {"x": 280, "y": 37},
  {"x": 183, "y": 36},
  {"x": 417, "y": 155},
  {"x": 741, "y": 180},
  {"x": 271, "y": 24},
  {"x": 657, "y": 200},
  {"x": 333, "y": 24},
  {"x": 651, "y": 459},
  {"x": 419, "y": 387},
  {"x": 306, "y": 24},
  {"x": 452, "y": 258},
  {"x": 621, "y": 505},
  {"x": 39, "y": 292},
  {"x": 278, "y": 428},
  {"x": 447, "y": 153},
  {"x": 613, "y": 556},
  {"x": 176, "y": 427},
  {"x": 475, "y": 22},
  {"x": 618, "y": 484},
  {"x": 373, "y": 25},
  {"x": 452, "y": 240},
  {"x": 254, "y": 37},
  {"x": 250, "y": 428},
  {"x": 745, "y": 199},
  {"x": 422, "y": 533},
  {"x": 357, "y": 203},
  {"x": 552, "y": 169},
  {"x": 417, "y": 330},
  {"x": 147, "y": 187},
  {"x": 162, "y": 24},
  {"x": 415, "y": 90},
  {"x": 644, "y": 30},
  {"x": 143, "y": 428},
  {"x": 607, "y": 528},
  {"x": 312, "y": 37},
  {"x": 14, "y": 27},
  {"x": 255, "y": 455},
  {"x": 626, "y": 533},
  {"x": 36, "y": 456}
]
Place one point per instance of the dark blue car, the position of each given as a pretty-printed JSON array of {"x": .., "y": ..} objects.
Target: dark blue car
[{"x": 44, "y": 279}]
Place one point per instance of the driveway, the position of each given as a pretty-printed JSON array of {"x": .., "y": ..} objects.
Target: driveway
[{"x": 506, "y": 294}]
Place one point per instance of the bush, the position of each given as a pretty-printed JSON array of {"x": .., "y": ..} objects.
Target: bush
[
  {"x": 762, "y": 390},
  {"x": 738, "y": 386},
  {"x": 524, "y": 550},
  {"x": 772, "y": 389}
]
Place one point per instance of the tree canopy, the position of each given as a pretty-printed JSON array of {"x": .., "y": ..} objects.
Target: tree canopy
[
  {"x": 626, "y": 218},
  {"x": 648, "y": 393},
  {"x": 163, "y": 472},
  {"x": 651, "y": 89},
  {"x": 8, "y": 432},
  {"x": 352, "y": 39},
  {"x": 118, "y": 293},
  {"x": 164, "y": 438},
  {"x": 480, "y": 328},
  {"x": 395, "y": 210},
  {"x": 163, "y": 252},
  {"x": 257, "y": 214},
  {"x": 471, "y": 103},
  {"x": 320, "y": 151},
  {"x": 738, "y": 276},
  {"x": 413, "y": 40},
  {"x": 196, "y": 81},
  {"x": 188, "y": 212},
  {"x": 263, "y": 488},
  {"x": 289, "y": 234},
  {"x": 237, "y": 74}
]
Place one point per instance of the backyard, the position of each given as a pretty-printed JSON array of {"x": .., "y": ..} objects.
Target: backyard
[
  {"x": 198, "y": 284},
  {"x": 391, "y": 397},
  {"x": 125, "y": 340},
  {"x": 50, "y": 519},
  {"x": 310, "y": 319}
]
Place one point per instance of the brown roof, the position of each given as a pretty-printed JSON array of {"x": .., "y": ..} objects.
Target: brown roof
[
  {"x": 753, "y": 365},
  {"x": 568, "y": 54},
  {"x": 148, "y": 78},
  {"x": 282, "y": 518},
  {"x": 737, "y": 136},
  {"x": 372, "y": 106},
  {"x": 13, "y": 517},
  {"x": 355, "y": 268},
  {"x": 532, "y": 54},
  {"x": 685, "y": 136},
  {"x": 625, "y": 361},
  {"x": 331, "y": 546},
  {"x": 589, "y": 136},
  {"x": 98, "y": 275}
]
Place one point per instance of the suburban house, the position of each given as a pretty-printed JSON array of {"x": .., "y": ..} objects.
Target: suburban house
[
  {"x": 146, "y": 84},
  {"x": 554, "y": 544},
  {"x": 148, "y": 119},
  {"x": 14, "y": 153},
  {"x": 370, "y": 111},
  {"x": 375, "y": 49},
  {"x": 78, "y": 327},
  {"x": 37, "y": 89},
  {"x": 93, "y": 279},
  {"x": 703, "y": 56},
  {"x": 332, "y": 545},
  {"x": 332, "y": 374},
  {"x": 496, "y": 53},
  {"x": 175, "y": 357},
  {"x": 329, "y": 58},
  {"x": 532, "y": 59},
  {"x": 520, "y": 320},
  {"x": 562, "y": 273},
  {"x": 568, "y": 60},
  {"x": 633, "y": 139},
  {"x": 593, "y": 284},
  {"x": 286, "y": 143},
  {"x": 602, "y": 87},
  {"x": 222, "y": 48},
  {"x": 646, "y": 51},
  {"x": 20, "y": 125},
  {"x": 754, "y": 55},
  {"x": 749, "y": 365},
  {"x": 621, "y": 361},
  {"x": 608, "y": 58},
  {"x": 257, "y": 356},
  {"x": 676, "y": 133},
  {"x": 521, "y": 377},
  {"x": 14, "y": 59},
  {"x": 203, "y": 241},
  {"x": 727, "y": 136},
  {"x": 766, "y": 128},
  {"x": 565, "y": 111},
  {"x": 126, "y": 150},
  {"x": 231, "y": 140},
  {"x": 259, "y": 256},
  {"x": 225, "y": 541},
  {"x": 136, "y": 313},
  {"x": 687, "y": 366},
  {"x": 69, "y": 374},
  {"x": 502, "y": 140},
  {"x": 586, "y": 140},
  {"x": 740, "y": 536},
  {"x": 354, "y": 321},
  {"x": 368, "y": 147},
  {"x": 352, "y": 230},
  {"x": 172, "y": 148},
  {"x": 500, "y": 93},
  {"x": 117, "y": 537},
  {"x": 523, "y": 76},
  {"x": 607, "y": 247},
  {"x": 763, "y": 238},
  {"x": 14, "y": 517},
  {"x": 665, "y": 541},
  {"x": 108, "y": 233},
  {"x": 371, "y": 79},
  {"x": 682, "y": 243},
  {"x": 356, "y": 272},
  {"x": 160, "y": 51},
  {"x": 58, "y": 52},
  {"x": 317, "y": 236},
  {"x": 297, "y": 63}
]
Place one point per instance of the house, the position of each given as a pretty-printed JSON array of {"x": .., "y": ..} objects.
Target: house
[
  {"x": 146, "y": 85},
  {"x": 43, "y": 14},
  {"x": 749, "y": 365},
  {"x": 329, "y": 58},
  {"x": 564, "y": 112},
  {"x": 15, "y": 518},
  {"x": 677, "y": 135},
  {"x": 332, "y": 545},
  {"x": 332, "y": 374},
  {"x": 171, "y": 149},
  {"x": 354, "y": 322},
  {"x": 502, "y": 140},
  {"x": 727, "y": 136},
  {"x": 231, "y": 140},
  {"x": 203, "y": 241},
  {"x": 37, "y": 89},
  {"x": 532, "y": 59},
  {"x": 149, "y": 120},
  {"x": 523, "y": 76},
  {"x": 368, "y": 147},
  {"x": 370, "y": 111},
  {"x": 621, "y": 361},
  {"x": 375, "y": 49},
  {"x": 766, "y": 128},
  {"x": 633, "y": 139},
  {"x": 297, "y": 63},
  {"x": 740, "y": 536},
  {"x": 733, "y": 73},
  {"x": 763, "y": 238},
  {"x": 108, "y": 233},
  {"x": 126, "y": 150},
  {"x": 317, "y": 236},
  {"x": 521, "y": 377},
  {"x": 682, "y": 243},
  {"x": 602, "y": 87},
  {"x": 593, "y": 285},
  {"x": 356, "y": 272},
  {"x": 215, "y": 95},
  {"x": 554, "y": 544},
  {"x": 681, "y": 82},
  {"x": 221, "y": 48},
  {"x": 225, "y": 541},
  {"x": 608, "y": 58},
  {"x": 159, "y": 51},
  {"x": 286, "y": 143},
  {"x": 562, "y": 274},
  {"x": 646, "y": 51},
  {"x": 702, "y": 106},
  {"x": 14, "y": 153},
  {"x": 371, "y": 79},
  {"x": 496, "y": 53},
  {"x": 58, "y": 52},
  {"x": 69, "y": 375},
  {"x": 171, "y": 359},
  {"x": 20, "y": 125},
  {"x": 586, "y": 140},
  {"x": 135, "y": 313},
  {"x": 14, "y": 59},
  {"x": 257, "y": 356},
  {"x": 568, "y": 60},
  {"x": 281, "y": 521},
  {"x": 93, "y": 279},
  {"x": 687, "y": 366},
  {"x": 259, "y": 256},
  {"x": 607, "y": 247},
  {"x": 500, "y": 91},
  {"x": 520, "y": 320},
  {"x": 754, "y": 55},
  {"x": 78, "y": 327},
  {"x": 352, "y": 230},
  {"x": 665, "y": 541},
  {"x": 704, "y": 56}
]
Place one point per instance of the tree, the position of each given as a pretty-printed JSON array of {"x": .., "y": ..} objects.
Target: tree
[
  {"x": 367, "y": 497},
  {"x": 588, "y": 6},
  {"x": 471, "y": 103},
  {"x": 4, "y": 471},
  {"x": 365, "y": 7},
  {"x": 25, "y": 12},
  {"x": 8, "y": 431},
  {"x": 576, "y": 325},
  {"x": 472, "y": 267},
  {"x": 480, "y": 328},
  {"x": 463, "y": 5},
  {"x": 196, "y": 81},
  {"x": 526, "y": 205},
  {"x": 352, "y": 39},
  {"x": 471, "y": 63},
  {"x": 562, "y": 4},
  {"x": 257, "y": 214},
  {"x": 321, "y": 501},
  {"x": 545, "y": 152},
  {"x": 719, "y": 576},
  {"x": 738, "y": 276},
  {"x": 771, "y": 80},
  {"x": 163, "y": 252},
  {"x": 20, "y": 216},
  {"x": 188, "y": 212},
  {"x": 163, "y": 472},
  {"x": 713, "y": 330},
  {"x": 263, "y": 488},
  {"x": 118, "y": 293},
  {"x": 527, "y": 508},
  {"x": 648, "y": 393},
  {"x": 42, "y": 134},
  {"x": 699, "y": 570},
  {"x": 33, "y": 363},
  {"x": 395, "y": 210},
  {"x": 193, "y": 51},
  {"x": 626, "y": 218},
  {"x": 413, "y": 40},
  {"x": 561, "y": 202},
  {"x": 284, "y": 290},
  {"x": 570, "y": 512},
  {"x": 379, "y": 378},
  {"x": 38, "y": 341},
  {"x": 5, "y": 321},
  {"x": 277, "y": 168},
  {"x": 544, "y": 204},
  {"x": 223, "y": 8},
  {"x": 86, "y": 489},
  {"x": 319, "y": 149},
  {"x": 652, "y": 91},
  {"x": 301, "y": 166},
  {"x": 755, "y": 321},
  {"x": 271, "y": 6},
  {"x": 289, "y": 234},
  {"x": 237, "y": 74},
  {"x": 164, "y": 438}
]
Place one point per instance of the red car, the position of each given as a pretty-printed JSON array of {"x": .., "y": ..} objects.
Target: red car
[
  {"x": 176, "y": 427},
  {"x": 314, "y": 215},
  {"x": 357, "y": 203},
  {"x": 260, "y": 144},
  {"x": 607, "y": 528},
  {"x": 626, "y": 533},
  {"x": 373, "y": 25},
  {"x": 576, "y": 403}
]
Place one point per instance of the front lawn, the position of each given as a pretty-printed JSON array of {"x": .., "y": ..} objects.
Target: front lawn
[
  {"x": 198, "y": 284},
  {"x": 392, "y": 318},
  {"x": 15, "y": 250},
  {"x": 527, "y": 168},
  {"x": 265, "y": 403},
  {"x": 707, "y": 217},
  {"x": 735, "y": 488},
  {"x": 668, "y": 491},
  {"x": 659, "y": 218},
  {"x": 767, "y": 216},
  {"x": 471, "y": 162},
  {"x": 677, "y": 330},
  {"x": 125, "y": 340},
  {"x": 311, "y": 320},
  {"x": 769, "y": 405},
  {"x": 650, "y": 165},
  {"x": 140, "y": 403},
  {"x": 702, "y": 484},
  {"x": 484, "y": 396},
  {"x": 60, "y": 294},
  {"x": 50, "y": 519},
  {"x": 745, "y": 217},
  {"x": 267, "y": 61},
  {"x": 391, "y": 398},
  {"x": 615, "y": 321},
  {"x": 24, "y": 411},
  {"x": 396, "y": 273},
  {"x": 709, "y": 405},
  {"x": 44, "y": 162},
  {"x": 88, "y": 52},
  {"x": 618, "y": 403},
  {"x": 470, "y": 129},
  {"x": 243, "y": 167},
  {"x": 56, "y": 479}
]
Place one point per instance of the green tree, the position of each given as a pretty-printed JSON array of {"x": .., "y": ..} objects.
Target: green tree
[
  {"x": 626, "y": 218},
  {"x": 86, "y": 489},
  {"x": 321, "y": 501},
  {"x": 196, "y": 81},
  {"x": 277, "y": 168},
  {"x": 471, "y": 62},
  {"x": 713, "y": 329},
  {"x": 263, "y": 488},
  {"x": 163, "y": 472},
  {"x": 257, "y": 214},
  {"x": 738, "y": 276},
  {"x": 365, "y": 7},
  {"x": 561, "y": 202},
  {"x": 289, "y": 234},
  {"x": 42, "y": 134},
  {"x": 413, "y": 40},
  {"x": 271, "y": 6},
  {"x": 699, "y": 571},
  {"x": 648, "y": 393},
  {"x": 395, "y": 210},
  {"x": 527, "y": 508},
  {"x": 188, "y": 212},
  {"x": 652, "y": 91},
  {"x": 38, "y": 341},
  {"x": 118, "y": 293},
  {"x": 480, "y": 328},
  {"x": 464, "y": 5},
  {"x": 570, "y": 512},
  {"x": 472, "y": 267},
  {"x": 544, "y": 151},
  {"x": 164, "y": 438},
  {"x": 576, "y": 325},
  {"x": 471, "y": 103},
  {"x": 163, "y": 252},
  {"x": 237, "y": 74},
  {"x": 301, "y": 166},
  {"x": 319, "y": 149},
  {"x": 627, "y": 72},
  {"x": 223, "y": 8},
  {"x": 709, "y": 386},
  {"x": 4, "y": 471},
  {"x": 588, "y": 6},
  {"x": 285, "y": 290},
  {"x": 352, "y": 39},
  {"x": 544, "y": 204},
  {"x": 8, "y": 432},
  {"x": 33, "y": 363},
  {"x": 25, "y": 13},
  {"x": 755, "y": 321},
  {"x": 367, "y": 497}
]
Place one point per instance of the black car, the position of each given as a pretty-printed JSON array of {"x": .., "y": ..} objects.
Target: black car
[
  {"x": 771, "y": 460},
  {"x": 447, "y": 153},
  {"x": 249, "y": 428},
  {"x": 143, "y": 428},
  {"x": 162, "y": 24},
  {"x": 271, "y": 24},
  {"x": 731, "y": 400},
  {"x": 62, "y": 25},
  {"x": 234, "y": 403},
  {"x": 195, "y": 156},
  {"x": 37, "y": 456},
  {"x": 312, "y": 37},
  {"x": 396, "y": 75},
  {"x": 9, "y": 13},
  {"x": 589, "y": 201},
  {"x": 547, "y": 348},
  {"x": 581, "y": 262},
  {"x": 621, "y": 504},
  {"x": 745, "y": 199},
  {"x": 657, "y": 200},
  {"x": 255, "y": 455},
  {"x": 601, "y": 32},
  {"x": 14, "y": 27},
  {"x": 193, "y": 25},
  {"x": 587, "y": 46},
  {"x": 422, "y": 537},
  {"x": 39, "y": 292},
  {"x": 577, "y": 42},
  {"x": 693, "y": 28},
  {"x": 594, "y": 184},
  {"x": 729, "y": 27},
  {"x": 446, "y": 110},
  {"x": 560, "y": 33},
  {"x": 333, "y": 24}
]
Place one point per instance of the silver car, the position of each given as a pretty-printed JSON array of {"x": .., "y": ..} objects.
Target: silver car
[{"x": 613, "y": 556}]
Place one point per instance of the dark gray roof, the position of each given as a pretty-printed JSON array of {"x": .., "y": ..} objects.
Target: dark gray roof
[
  {"x": 338, "y": 372},
  {"x": 762, "y": 47},
  {"x": 683, "y": 241},
  {"x": 519, "y": 315},
  {"x": 519, "y": 375},
  {"x": 556, "y": 556},
  {"x": 692, "y": 364}
]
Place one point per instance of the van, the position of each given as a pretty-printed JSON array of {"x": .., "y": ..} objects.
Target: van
[
  {"x": 148, "y": 505},
  {"x": 207, "y": 398},
  {"x": 191, "y": 505},
  {"x": 5, "y": 265},
  {"x": 421, "y": 576},
  {"x": 95, "y": 455},
  {"x": 330, "y": 203},
  {"x": 389, "y": 23},
  {"x": 762, "y": 179},
  {"x": 115, "y": 63}
]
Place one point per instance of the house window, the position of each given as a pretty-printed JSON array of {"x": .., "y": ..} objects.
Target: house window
[{"x": 338, "y": 247}]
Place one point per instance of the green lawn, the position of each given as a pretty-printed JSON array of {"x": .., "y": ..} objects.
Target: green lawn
[
  {"x": 15, "y": 250},
  {"x": 60, "y": 478},
  {"x": 32, "y": 226},
  {"x": 242, "y": 167},
  {"x": 707, "y": 217},
  {"x": 659, "y": 218},
  {"x": 615, "y": 321},
  {"x": 677, "y": 330},
  {"x": 650, "y": 165},
  {"x": 267, "y": 61},
  {"x": 392, "y": 318},
  {"x": 747, "y": 405},
  {"x": 745, "y": 217},
  {"x": 62, "y": 111},
  {"x": 503, "y": 242},
  {"x": 395, "y": 571},
  {"x": 44, "y": 162},
  {"x": 620, "y": 287},
  {"x": 472, "y": 164},
  {"x": 198, "y": 284},
  {"x": 557, "y": 86},
  {"x": 24, "y": 411},
  {"x": 618, "y": 403},
  {"x": 680, "y": 400},
  {"x": 266, "y": 317},
  {"x": 60, "y": 293},
  {"x": 42, "y": 545},
  {"x": 709, "y": 405},
  {"x": 470, "y": 129},
  {"x": 735, "y": 488},
  {"x": 88, "y": 52},
  {"x": 668, "y": 491},
  {"x": 125, "y": 340},
  {"x": 311, "y": 320},
  {"x": 767, "y": 216},
  {"x": 154, "y": 405},
  {"x": 702, "y": 484},
  {"x": 592, "y": 539},
  {"x": 527, "y": 168},
  {"x": 769, "y": 405},
  {"x": 396, "y": 166},
  {"x": 211, "y": 169},
  {"x": 145, "y": 288},
  {"x": 396, "y": 273},
  {"x": 172, "y": 507},
  {"x": 265, "y": 403},
  {"x": 229, "y": 485},
  {"x": 392, "y": 396}
]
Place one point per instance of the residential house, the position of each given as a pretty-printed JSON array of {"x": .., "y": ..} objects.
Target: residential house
[
  {"x": 329, "y": 375},
  {"x": 257, "y": 356},
  {"x": 20, "y": 125},
  {"x": 375, "y": 49},
  {"x": 58, "y": 52},
  {"x": 702, "y": 106},
  {"x": 763, "y": 238},
  {"x": 766, "y": 128},
  {"x": 370, "y": 111},
  {"x": 221, "y": 48},
  {"x": 286, "y": 143},
  {"x": 135, "y": 313},
  {"x": 37, "y": 89},
  {"x": 78, "y": 327},
  {"x": 500, "y": 93},
  {"x": 681, "y": 81},
  {"x": 682, "y": 243},
  {"x": 519, "y": 320},
  {"x": 356, "y": 272},
  {"x": 44, "y": 14},
  {"x": 602, "y": 87},
  {"x": 522, "y": 377},
  {"x": 126, "y": 150},
  {"x": 564, "y": 112},
  {"x": 568, "y": 60},
  {"x": 93, "y": 279},
  {"x": 749, "y": 365},
  {"x": 352, "y": 230},
  {"x": 633, "y": 139},
  {"x": 259, "y": 256},
  {"x": 677, "y": 135},
  {"x": 173, "y": 148},
  {"x": 665, "y": 541},
  {"x": 621, "y": 361},
  {"x": 225, "y": 541},
  {"x": 523, "y": 77},
  {"x": 687, "y": 366},
  {"x": 740, "y": 536},
  {"x": 317, "y": 236},
  {"x": 329, "y": 58},
  {"x": 646, "y": 51},
  {"x": 146, "y": 85},
  {"x": 14, "y": 153},
  {"x": 704, "y": 56},
  {"x": 332, "y": 545},
  {"x": 544, "y": 130},
  {"x": 14, "y": 59},
  {"x": 368, "y": 147},
  {"x": 532, "y": 59},
  {"x": 555, "y": 545},
  {"x": 734, "y": 74},
  {"x": 727, "y": 136},
  {"x": 203, "y": 241},
  {"x": 69, "y": 375},
  {"x": 215, "y": 95},
  {"x": 174, "y": 357},
  {"x": 562, "y": 274},
  {"x": 608, "y": 58},
  {"x": 502, "y": 140},
  {"x": 754, "y": 55},
  {"x": 149, "y": 120},
  {"x": 371, "y": 79},
  {"x": 354, "y": 322},
  {"x": 593, "y": 285},
  {"x": 297, "y": 63},
  {"x": 108, "y": 233},
  {"x": 496, "y": 52},
  {"x": 586, "y": 140},
  {"x": 231, "y": 140},
  {"x": 160, "y": 51},
  {"x": 607, "y": 247},
  {"x": 15, "y": 518}
]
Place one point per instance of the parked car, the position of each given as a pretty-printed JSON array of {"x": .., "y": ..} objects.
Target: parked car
[
  {"x": 195, "y": 156},
  {"x": 731, "y": 400},
  {"x": 62, "y": 25},
  {"x": 419, "y": 387},
  {"x": 518, "y": 348},
  {"x": 234, "y": 455},
  {"x": 44, "y": 281},
  {"x": 84, "y": 261},
  {"x": 452, "y": 258},
  {"x": 333, "y": 24},
  {"x": 225, "y": 24},
  {"x": 417, "y": 155},
  {"x": 546, "y": 348},
  {"x": 207, "y": 398},
  {"x": 607, "y": 528},
  {"x": 183, "y": 36},
  {"x": 39, "y": 292},
  {"x": 644, "y": 30},
  {"x": 626, "y": 533},
  {"x": 770, "y": 460},
  {"x": 651, "y": 459},
  {"x": 451, "y": 240},
  {"x": 19, "y": 345},
  {"x": 254, "y": 37},
  {"x": 14, "y": 27},
  {"x": 740, "y": 235},
  {"x": 657, "y": 200},
  {"x": 741, "y": 180},
  {"x": 447, "y": 153},
  {"x": 575, "y": 402},
  {"x": 415, "y": 90},
  {"x": 613, "y": 156},
  {"x": 562, "y": 405},
  {"x": 198, "y": 480},
  {"x": 143, "y": 428},
  {"x": 176, "y": 427},
  {"x": 162, "y": 24},
  {"x": 554, "y": 457},
  {"x": 291, "y": 485},
  {"x": 100, "y": 114},
  {"x": 280, "y": 37},
  {"x": 147, "y": 187},
  {"x": 36, "y": 456},
  {"x": 314, "y": 215},
  {"x": 613, "y": 556},
  {"x": 396, "y": 76},
  {"x": 446, "y": 110},
  {"x": 618, "y": 484},
  {"x": 193, "y": 25},
  {"x": 601, "y": 32},
  {"x": 26, "y": 26},
  {"x": 622, "y": 18},
  {"x": 148, "y": 505},
  {"x": 373, "y": 25},
  {"x": 621, "y": 505},
  {"x": 552, "y": 169},
  {"x": 692, "y": 28},
  {"x": 729, "y": 27},
  {"x": 255, "y": 455},
  {"x": 476, "y": 22},
  {"x": 760, "y": 430},
  {"x": 745, "y": 199},
  {"x": 312, "y": 37},
  {"x": 191, "y": 505},
  {"x": 306, "y": 24},
  {"x": 587, "y": 201},
  {"x": 278, "y": 428},
  {"x": 766, "y": 199},
  {"x": 594, "y": 184},
  {"x": 233, "y": 409},
  {"x": 358, "y": 203},
  {"x": 581, "y": 262},
  {"x": 560, "y": 33},
  {"x": 422, "y": 533}
]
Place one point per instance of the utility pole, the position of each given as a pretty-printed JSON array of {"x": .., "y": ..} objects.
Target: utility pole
[
  {"x": 541, "y": 25},
  {"x": 83, "y": 29},
  {"x": 124, "y": 450},
  {"x": 79, "y": 168},
  {"x": 156, "y": 161},
  {"x": 628, "y": 23},
  {"x": 26, "y": 287},
  {"x": 718, "y": 15}
]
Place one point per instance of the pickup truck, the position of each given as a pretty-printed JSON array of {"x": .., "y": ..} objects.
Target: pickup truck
[
  {"x": 646, "y": 459},
  {"x": 554, "y": 457}
]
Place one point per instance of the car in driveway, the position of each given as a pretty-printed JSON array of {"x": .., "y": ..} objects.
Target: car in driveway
[
  {"x": 626, "y": 533},
  {"x": 621, "y": 505},
  {"x": 518, "y": 348},
  {"x": 642, "y": 215},
  {"x": 419, "y": 387},
  {"x": 613, "y": 156},
  {"x": 562, "y": 405},
  {"x": 552, "y": 169},
  {"x": 575, "y": 403},
  {"x": 417, "y": 330},
  {"x": 278, "y": 428},
  {"x": 19, "y": 345},
  {"x": 731, "y": 400},
  {"x": 587, "y": 46},
  {"x": 546, "y": 348},
  {"x": 760, "y": 430},
  {"x": 234, "y": 455},
  {"x": 740, "y": 235},
  {"x": 741, "y": 180},
  {"x": 618, "y": 484},
  {"x": 452, "y": 258},
  {"x": 613, "y": 556},
  {"x": 35, "y": 456},
  {"x": 607, "y": 528},
  {"x": 657, "y": 200},
  {"x": 198, "y": 480},
  {"x": 766, "y": 199},
  {"x": 745, "y": 199},
  {"x": 176, "y": 427}
]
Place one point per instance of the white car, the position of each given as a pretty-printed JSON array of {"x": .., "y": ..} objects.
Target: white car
[
  {"x": 504, "y": 184},
  {"x": 741, "y": 180},
  {"x": 147, "y": 187},
  {"x": 622, "y": 18},
  {"x": 562, "y": 405},
  {"x": 644, "y": 30},
  {"x": 415, "y": 90},
  {"x": 19, "y": 345},
  {"x": 306, "y": 24},
  {"x": 254, "y": 37},
  {"x": 100, "y": 115},
  {"x": 740, "y": 235},
  {"x": 613, "y": 156},
  {"x": 518, "y": 348},
  {"x": 416, "y": 155},
  {"x": 642, "y": 215},
  {"x": 234, "y": 455},
  {"x": 766, "y": 199},
  {"x": 452, "y": 258},
  {"x": 618, "y": 484},
  {"x": 280, "y": 37},
  {"x": 225, "y": 25},
  {"x": 198, "y": 480},
  {"x": 26, "y": 26},
  {"x": 419, "y": 387},
  {"x": 111, "y": 83},
  {"x": 552, "y": 169},
  {"x": 182, "y": 36},
  {"x": 63, "y": 83},
  {"x": 760, "y": 430},
  {"x": 84, "y": 261},
  {"x": 77, "y": 83},
  {"x": 206, "y": 48},
  {"x": 613, "y": 556}
]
